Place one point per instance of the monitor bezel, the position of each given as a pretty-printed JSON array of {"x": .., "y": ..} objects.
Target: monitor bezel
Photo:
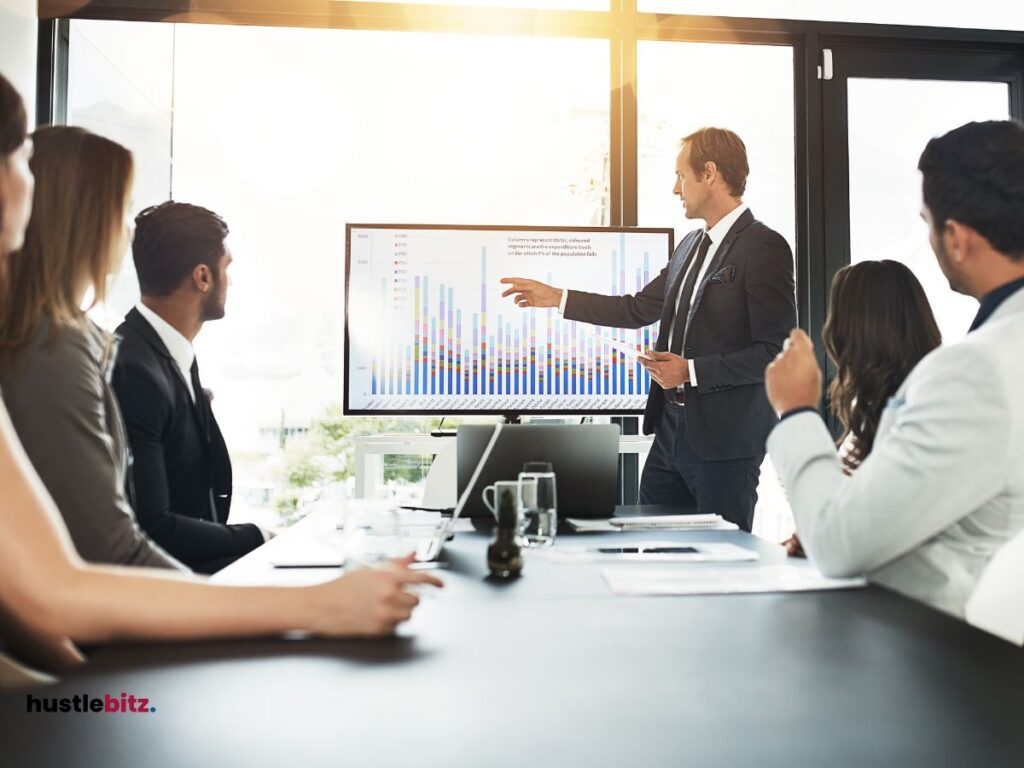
[{"x": 347, "y": 411}]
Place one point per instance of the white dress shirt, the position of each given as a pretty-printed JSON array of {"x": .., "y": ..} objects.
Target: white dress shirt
[
  {"x": 180, "y": 348},
  {"x": 716, "y": 234}
]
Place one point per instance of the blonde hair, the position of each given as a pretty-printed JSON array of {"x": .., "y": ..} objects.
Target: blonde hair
[{"x": 75, "y": 236}]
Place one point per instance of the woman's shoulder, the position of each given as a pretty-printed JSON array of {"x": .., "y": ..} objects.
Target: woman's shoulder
[
  {"x": 62, "y": 351},
  {"x": 81, "y": 339}
]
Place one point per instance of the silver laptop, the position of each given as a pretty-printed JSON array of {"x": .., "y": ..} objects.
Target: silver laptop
[{"x": 428, "y": 548}]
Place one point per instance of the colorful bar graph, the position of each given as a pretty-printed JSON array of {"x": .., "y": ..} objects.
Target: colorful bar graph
[{"x": 445, "y": 340}]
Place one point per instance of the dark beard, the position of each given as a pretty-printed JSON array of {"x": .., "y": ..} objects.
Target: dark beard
[{"x": 213, "y": 304}]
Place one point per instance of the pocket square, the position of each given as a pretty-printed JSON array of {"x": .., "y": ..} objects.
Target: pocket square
[{"x": 724, "y": 275}]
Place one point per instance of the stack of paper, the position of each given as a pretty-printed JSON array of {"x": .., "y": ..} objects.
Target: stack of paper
[{"x": 654, "y": 523}]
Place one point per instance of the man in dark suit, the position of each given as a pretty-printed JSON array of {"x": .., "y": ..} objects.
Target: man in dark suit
[
  {"x": 181, "y": 468},
  {"x": 726, "y": 302}
]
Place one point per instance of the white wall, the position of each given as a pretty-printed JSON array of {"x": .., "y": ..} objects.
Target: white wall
[{"x": 18, "y": 30}]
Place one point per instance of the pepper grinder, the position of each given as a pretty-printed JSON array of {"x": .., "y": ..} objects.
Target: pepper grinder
[{"x": 504, "y": 555}]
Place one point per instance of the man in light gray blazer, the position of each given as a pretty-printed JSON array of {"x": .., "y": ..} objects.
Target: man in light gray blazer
[{"x": 943, "y": 487}]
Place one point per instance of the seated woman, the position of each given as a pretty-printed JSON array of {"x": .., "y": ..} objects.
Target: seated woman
[
  {"x": 50, "y": 598},
  {"x": 54, "y": 361},
  {"x": 878, "y": 328}
]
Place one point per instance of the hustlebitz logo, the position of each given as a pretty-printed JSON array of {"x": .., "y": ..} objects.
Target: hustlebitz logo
[{"x": 125, "y": 704}]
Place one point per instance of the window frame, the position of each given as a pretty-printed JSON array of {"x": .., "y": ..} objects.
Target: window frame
[{"x": 623, "y": 26}]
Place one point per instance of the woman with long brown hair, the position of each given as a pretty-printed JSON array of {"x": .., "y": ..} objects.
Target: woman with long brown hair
[
  {"x": 54, "y": 361},
  {"x": 879, "y": 327},
  {"x": 49, "y": 597}
]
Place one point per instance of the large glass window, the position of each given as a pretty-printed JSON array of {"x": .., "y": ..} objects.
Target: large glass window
[
  {"x": 885, "y": 185},
  {"x": 359, "y": 126},
  {"x": 120, "y": 86},
  {"x": 746, "y": 88}
]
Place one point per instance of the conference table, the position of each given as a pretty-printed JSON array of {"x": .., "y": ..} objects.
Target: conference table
[{"x": 555, "y": 669}]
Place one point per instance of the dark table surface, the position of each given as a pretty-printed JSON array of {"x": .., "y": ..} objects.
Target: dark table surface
[{"x": 553, "y": 669}]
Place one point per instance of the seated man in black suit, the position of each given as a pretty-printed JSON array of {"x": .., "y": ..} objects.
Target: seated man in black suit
[{"x": 181, "y": 469}]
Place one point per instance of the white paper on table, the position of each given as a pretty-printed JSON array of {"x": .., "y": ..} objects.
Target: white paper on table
[
  {"x": 652, "y": 523},
  {"x": 602, "y": 525},
  {"x": 300, "y": 550},
  {"x": 705, "y": 552},
  {"x": 791, "y": 577}
]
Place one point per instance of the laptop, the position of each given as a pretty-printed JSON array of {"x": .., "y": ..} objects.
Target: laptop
[
  {"x": 428, "y": 548},
  {"x": 585, "y": 458}
]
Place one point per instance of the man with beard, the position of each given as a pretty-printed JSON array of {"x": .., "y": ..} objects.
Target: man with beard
[{"x": 181, "y": 468}]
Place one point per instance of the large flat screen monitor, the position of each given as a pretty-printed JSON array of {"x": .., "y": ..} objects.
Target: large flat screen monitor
[{"x": 427, "y": 331}]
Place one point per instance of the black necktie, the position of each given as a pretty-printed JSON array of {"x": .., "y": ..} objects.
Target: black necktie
[
  {"x": 677, "y": 332},
  {"x": 202, "y": 403}
]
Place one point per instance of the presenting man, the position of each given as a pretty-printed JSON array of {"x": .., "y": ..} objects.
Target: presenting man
[
  {"x": 181, "y": 469},
  {"x": 726, "y": 301},
  {"x": 942, "y": 489}
]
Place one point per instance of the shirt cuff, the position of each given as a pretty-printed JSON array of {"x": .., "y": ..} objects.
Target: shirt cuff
[
  {"x": 565, "y": 298},
  {"x": 693, "y": 372},
  {"x": 795, "y": 411}
]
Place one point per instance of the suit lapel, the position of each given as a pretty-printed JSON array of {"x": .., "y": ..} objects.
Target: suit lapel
[{"x": 744, "y": 221}]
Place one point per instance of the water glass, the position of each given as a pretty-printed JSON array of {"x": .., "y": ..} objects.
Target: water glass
[
  {"x": 538, "y": 511},
  {"x": 371, "y": 531}
]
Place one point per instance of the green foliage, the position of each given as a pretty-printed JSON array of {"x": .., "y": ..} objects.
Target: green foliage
[{"x": 326, "y": 454}]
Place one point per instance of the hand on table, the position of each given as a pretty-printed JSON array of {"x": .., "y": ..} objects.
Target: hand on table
[
  {"x": 531, "y": 293},
  {"x": 793, "y": 379},
  {"x": 668, "y": 370},
  {"x": 793, "y": 546},
  {"x": 369, "y": 602}
]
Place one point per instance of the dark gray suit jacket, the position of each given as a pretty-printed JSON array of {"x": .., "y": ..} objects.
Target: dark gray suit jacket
[
  {"x": 740, "y": 315},
  {"x": 68, "y": 420}
]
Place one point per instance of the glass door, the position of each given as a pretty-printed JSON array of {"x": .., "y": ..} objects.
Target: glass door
[{"x": 880, "y": 108}]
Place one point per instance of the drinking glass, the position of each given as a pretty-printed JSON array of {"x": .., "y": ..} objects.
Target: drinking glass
[{"x": 538, "y": 511}]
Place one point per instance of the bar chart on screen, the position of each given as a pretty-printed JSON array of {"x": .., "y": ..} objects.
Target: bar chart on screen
[{"x": 427, "y": 329}]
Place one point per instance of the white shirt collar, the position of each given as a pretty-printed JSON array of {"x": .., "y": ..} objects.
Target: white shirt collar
[
  {"x": 179, "y": 347},
  {"x": 718, "y": 232}
]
